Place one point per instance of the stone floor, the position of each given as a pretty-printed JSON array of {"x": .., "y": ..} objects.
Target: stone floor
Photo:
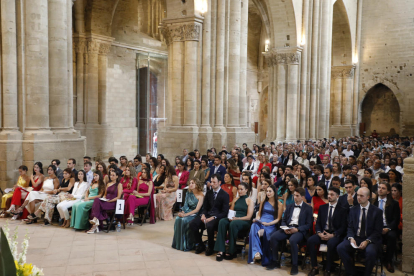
[{"x": 138, "y": 250}]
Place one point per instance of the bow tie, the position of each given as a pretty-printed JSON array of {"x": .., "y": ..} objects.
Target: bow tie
[{"x": 297, "y": 206}]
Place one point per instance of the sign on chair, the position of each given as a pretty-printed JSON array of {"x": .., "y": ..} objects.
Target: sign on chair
[
  {"x": 120, "y": 203},
  {"x": 179, "y": 195}
]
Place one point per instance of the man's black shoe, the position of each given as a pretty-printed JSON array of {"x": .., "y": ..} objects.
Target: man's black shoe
[
  {"x": 273, "y": 265},
  {"x": 209, "y": 252},
  {"x": 200, "y": 248},
  {"x": 313, "y": 272},
  {"x": 390, "y": 268},
  {"x": 294, "y": 270}
]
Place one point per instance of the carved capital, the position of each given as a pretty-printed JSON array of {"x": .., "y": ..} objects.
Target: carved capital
[
  {"x": 280, "y": 58},
  {"x": 346, "y": 72},
  {"x": 181, "y": 32},
  {"x": 293, "y": 58},
  {"x": 93, "y": 47},
  {"x": 166, "y": 33},
  {"x": 104, "y": 48},
  {"x": 80, "y": 46},
  {"x": 269, "y": 59}
]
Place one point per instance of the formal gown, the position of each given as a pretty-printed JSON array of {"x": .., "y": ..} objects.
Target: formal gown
[
  {"x": 21, "y": 183},
  {"x": 165, "y": 201},
  {"x": 133, "y": 202},
  {"x": 280, "y": 192},
  {"x": 36, "y": 195},
  {"x": 100, "y": 207},
  {"x": 308, "y": 197},
  {"x": 183, "y": 237},
  {"x": 233, "y": 227},
  {"x": 80, "y": 211},
  {"x": 262, "y": 245},
  {"x": 317, "y": 202}
]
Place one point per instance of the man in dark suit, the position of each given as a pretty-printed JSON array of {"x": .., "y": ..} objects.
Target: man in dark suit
[
  {"x": 215, "y": 207},
  {"x": 297, "y": 221},
  {"x": 391, "y": 219},
  {"x": 345, "y": 171},
  {"x": 59, "y": 171},
  {"x": 216, "y": 168},
  {"x": 319, "y": 173},
  {"x": 71, "y": 165},
  {"x": 330, "y": 229},
  {"x": 365, "y": 226},
  {"x": 349, "y": 199}
]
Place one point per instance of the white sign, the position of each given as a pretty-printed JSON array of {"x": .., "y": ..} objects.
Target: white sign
[
  {"x": 179, "y": 195},
  {"x": 205, "y": 190},
  {"x": 231, "y": 214},
  {"x": 155, "y": 201},
  {"x": 120, "y": 203}
]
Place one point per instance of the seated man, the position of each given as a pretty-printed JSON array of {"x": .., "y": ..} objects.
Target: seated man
[
  {"x": 298, "y": 217},
  {"x": 350, "y": 198},
  {"x": 330, "y": 229},
  {"x": 364, "y": 233},
  {"x": 391, "y": 220},
  {"x": 215, "y": 207}
]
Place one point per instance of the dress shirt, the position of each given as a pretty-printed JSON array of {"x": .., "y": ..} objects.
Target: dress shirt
[
  {"x": 348, "y": 153},
  {"x": 383, "y": 209},
  {"x": 89, "y": 177},
  {"x": 360, "y": 218},
  {"x": 295, "y": 215},
  {"x": 216, "y": 168},
  {"x": 333, "y": 211}
]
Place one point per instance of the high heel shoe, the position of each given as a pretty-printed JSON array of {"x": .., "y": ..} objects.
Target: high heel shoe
[
  {"x": 94, "y": 221},
  {"x": 93, "y": 230},
  {"x": 32, "y": 221}
]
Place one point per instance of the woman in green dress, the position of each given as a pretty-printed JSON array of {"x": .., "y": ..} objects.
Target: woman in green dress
[
  {"x": 244, "y": 207},
  {"x": 80, "y": 210},
  {"x": 183, "y": 237}
]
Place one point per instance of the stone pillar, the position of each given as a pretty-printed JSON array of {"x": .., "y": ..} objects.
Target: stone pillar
[
  {"x": 357, "y": 69},
  {"x": 293, "y": 81},
  {"x": 80, "y": 49},
  {"x": 337, "y": 79},
  {"x": 243, "y": 63},
  {"x": 177, "y": 49},
  {"x": 190, "y": 77},
  {"x": 221, "y": 25},
  {"x": 9, "y": 106},
  {"x": 281, "y": 97},
  {"x": 313, "y": 110},
  {"x": 348, "y": 90},
  {"x": 269, "y": 57},
  {"x": 408, "y": 218},
  {"x": 58, "y": 64},
  {"x": 92, "y": 96},
  {"x": 303, "y": 115},
  {"x": 37, "y": 65},
  {"x": 71, "y": 65},
  {"x": 104, "y": 49}
]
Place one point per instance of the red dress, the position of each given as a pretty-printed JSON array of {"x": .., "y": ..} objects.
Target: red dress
[
  {"x": 127, "y": 191},
  {"x": 261, "y": 165},
  {"x": 228, "y": 188},
  {"x": 236, "y": 177},
  {"x": 317, "y": 202}
]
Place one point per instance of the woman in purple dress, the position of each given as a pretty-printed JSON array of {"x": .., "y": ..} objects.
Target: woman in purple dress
[{"x": 113, "y": 192}]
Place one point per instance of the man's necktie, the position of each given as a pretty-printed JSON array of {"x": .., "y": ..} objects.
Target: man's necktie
[
  {"x": 215, "y": 195},
  {"x": 381, "y": 204},
  {"x": 327, "y": 184},
  {"x": 330, "y": 219},
  {"x": 363, "y": 222}
]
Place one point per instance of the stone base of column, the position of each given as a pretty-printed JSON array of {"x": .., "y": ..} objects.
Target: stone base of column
[
  {"x": 11, "y": 153},
  {"x": 100, "y": 141},
  {"x": 340, "y": 131},
  {"x": 205, "y": 139},
  {"x": 239, "y": 135},
  {"x": 173, "y": 139},
  {"x": 80, "y": 127},
  {"x": 219, "y": 137}
]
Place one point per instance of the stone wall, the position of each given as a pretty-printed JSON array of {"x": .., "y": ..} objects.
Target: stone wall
[{"x": 408, "y": 219}]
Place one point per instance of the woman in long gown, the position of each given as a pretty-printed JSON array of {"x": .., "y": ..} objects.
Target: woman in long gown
[
  {"x": 80, "y": 210},
  {"x": 183, "y": 237},
  {"x": 270, "y": 213},
  {"x": 18, "y": 189},
  {"x": 140, "y": 196},
  {"x": 113, "y": 192},
  {"x": 166, "y": 198}
]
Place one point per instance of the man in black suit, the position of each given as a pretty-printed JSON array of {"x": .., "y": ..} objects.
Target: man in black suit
[
  {"x": 365, "y": 226},
  {"x": 345, "y": 171},
  {"x": 297, "y": 221},
  {"x": 71, "y": 165},
  {"x": 59, "y": 172},
  {"x": 215, "y": 207},
  {"x": 391, "y": 219},
  {"x": 330, "y": 229},
  {"x": 218, "y": 169},
  {"x": 319, "y": 173},
  {"x": 349, "y": 199}
]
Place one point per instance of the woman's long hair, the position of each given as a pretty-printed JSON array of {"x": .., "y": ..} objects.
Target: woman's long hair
[
  {"x": 295, "y": 184},
  {"x": 232, "y": 179},
  {"x": 323, "y": 187},
  {"x": 275, "y": 197},
  {"x": 40, "y": 165},
  {"x": 101, "y": 184},
  {"x": 133, "y": 174}
]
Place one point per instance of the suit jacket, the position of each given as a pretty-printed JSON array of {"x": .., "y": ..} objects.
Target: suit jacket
[
  {"x": 75, "y": 172},
  {"x": 322, "y": 178},
  {"x": 182, "y": 181},
  {"x": 255, "y": 167},
  {"x": 339, "y": 222},
  {"x": 219, "y": 207},
  {"x": 305, "y": 217},
  {"x": 59, "y": 174},
  {"x": 343, "y": 201},
  {"x": 200, "y": 176},
  {"x": 392, "y": 213},
  {"x": 374, "y": 223},
  {"x": 221, "y": 171}
]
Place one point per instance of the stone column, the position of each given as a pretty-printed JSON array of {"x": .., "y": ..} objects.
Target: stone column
[
  {"x": 303, "y": 116},
  {"x": 36, "y": 65},
  {"x": 408, "y": 218},
  {"x": 313, "y": 110},
  {"x": 337, "y": 78},
  {"x": 348, "y": 79},
  {"x": 58, "y": 64},
  {"x": 281, "y": 96},
  {"x": 9, "y": 66},
  {"x": 243, "y": 63},
  {"x": 92, "y": 96},
  {"x": 221, "y": 25},
  {"x": 104, "y": 49},
  {"x": 190, "y": 78},
  {"x": 70, "y": 53},
  {"x": 269, "y": 57},
  {"x": 292, "y": 94},
  {"x": 357, "y": 69},
  {"x": 80, "y": 49},
  {"x": 205, "y": 101}
]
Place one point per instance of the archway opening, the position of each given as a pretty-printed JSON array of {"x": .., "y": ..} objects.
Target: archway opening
[{"x": 380, "y": 111}]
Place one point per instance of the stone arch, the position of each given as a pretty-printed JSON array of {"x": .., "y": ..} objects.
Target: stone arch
[
  {"x": 380, "y": 110},
  {"x": 99, "y": 15},
  {"x": 341, "y": 36}
]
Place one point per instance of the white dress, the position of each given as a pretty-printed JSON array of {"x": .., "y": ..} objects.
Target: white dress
[{"x": 37, "y": 195}]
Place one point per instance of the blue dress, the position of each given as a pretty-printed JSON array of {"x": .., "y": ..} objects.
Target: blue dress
[
  {"x": 183, "y": 238},
  {"x": 262, "y": 245},
  {"x": 308, "y": 196}
]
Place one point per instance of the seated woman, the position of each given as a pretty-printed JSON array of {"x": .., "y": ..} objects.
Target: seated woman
[
  {"x": 234, "y": 170},
  {"x": 159, "y": 179},
  {"x": 113, "y": 192},
  {"x": 318, "y": 200},
  {"x": 20, "y": 194},
  {"x": 196, "y": 172},
  {"x": 50, "y": 187},
  {"x": 288, "y": 197},
  {"x": 140, "y": 196},
  {"x": 229, "y": 187},
  {"x": 366, "y": 182},
  {"x": 48, "y": 205},
  {"x": 102, "y": 168},
  {"x": 69, "y": 200},
  {"x": 205, "y": 168},
  {"x": 183, "y": 237},
  {"x": 189, "y": 165},
  {"x": 396, "y": 191},
  {"x": 310, "y": 188},
  {"x": 261, "y": 196},
  {"x": 270, "y": 213},
  {"x": 244, "y": 207},
  {"x": 80, "y": 210},
  {"x": 19, "y": 189},
  {"x": 129, "y": 182},
  {"x": 166, "y": 198},
  {"x": 182, "y": 174}
]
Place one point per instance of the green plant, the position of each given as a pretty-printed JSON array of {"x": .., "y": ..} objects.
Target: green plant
[{"x": 7, "y": 265}]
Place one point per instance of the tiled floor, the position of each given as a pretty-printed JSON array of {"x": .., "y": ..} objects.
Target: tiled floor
[{"x": 138, "y": 250}]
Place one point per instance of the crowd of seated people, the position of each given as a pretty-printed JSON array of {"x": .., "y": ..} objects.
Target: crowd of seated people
[{"x": 344, "y": 193}]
